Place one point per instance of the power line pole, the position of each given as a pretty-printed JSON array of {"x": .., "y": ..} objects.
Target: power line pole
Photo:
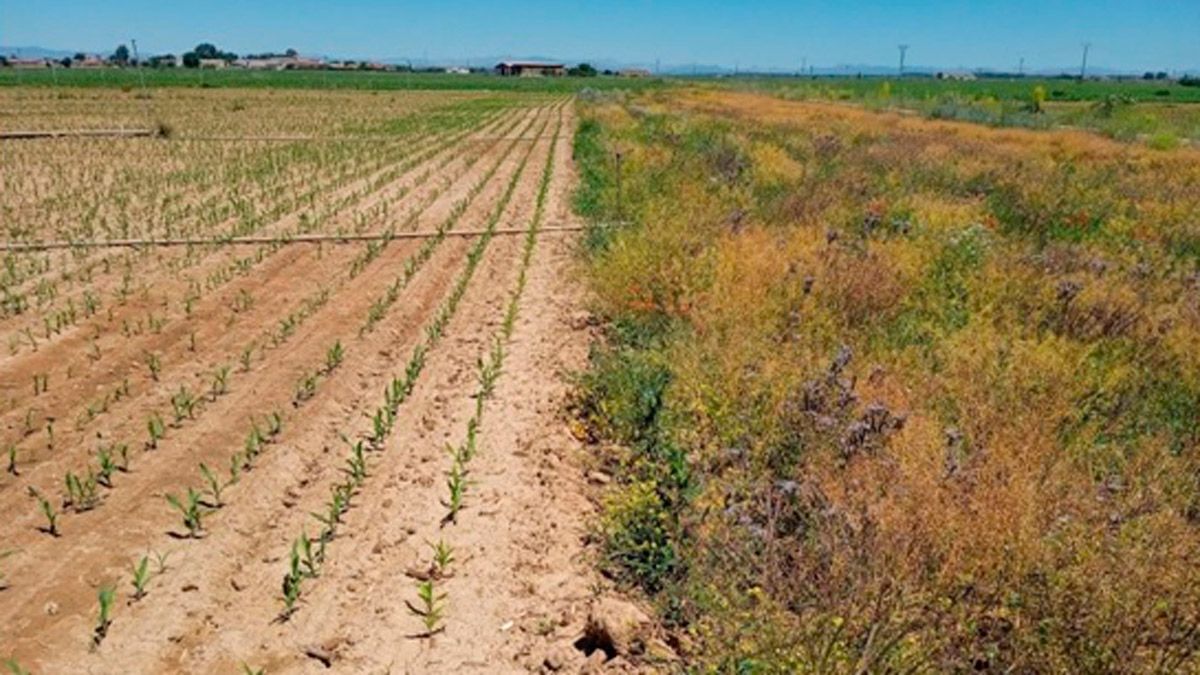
[
  {"x": 903, "y": 49},
  {"x": 1083, "y": 67},
  {"x": 1021, "y": 67}
]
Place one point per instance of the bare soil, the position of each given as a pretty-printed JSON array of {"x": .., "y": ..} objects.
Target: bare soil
[{"x": 522, "y": 579}]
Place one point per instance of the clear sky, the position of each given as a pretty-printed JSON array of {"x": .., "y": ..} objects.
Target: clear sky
[{"x": 1126, "y": 34}]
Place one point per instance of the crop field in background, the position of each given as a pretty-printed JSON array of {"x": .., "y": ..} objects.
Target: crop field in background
[
  {"x": 1160, "y": 112},
  {"x": 890, "y": 394},
  {"x": 194, "y": 77},
  {"x": 217, "y": 456}
]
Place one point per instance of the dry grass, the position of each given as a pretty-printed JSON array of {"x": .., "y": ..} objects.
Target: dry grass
[{"x": 936, "y": 385}]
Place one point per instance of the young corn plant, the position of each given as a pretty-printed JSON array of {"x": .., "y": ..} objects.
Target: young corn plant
[
  {"x": 334, "y": 357},
  {"x": 310, "y": 558},
  {"x": 213, "y": 486},
  {"x": 156, "y": 430},
  {"x": 247, "y": 355},
  {"x": 104, "y": 619},
  {"x": 11, "y": 453},
  {"x": 160, "y": 562},
  {"x": 51, "y": 526},
  {"x": 291, "y": 586},
  {"x": 305, "y": 389},
  {"x": 190, "y": 508},
  {"x": 107, "y": 465},
  {"x": 443, "y": 557},
  {"x": 141, "y": 577},
  {"x": 356, "y": 465},
  {"x": 183, "y": 404},
  {"x": 220, "y": 382},
  {"x": 339, "y": 502},
  {"x": 430, "y": 606},
  {"x": 456, "y": 485},
  {"x": 274, "y": 424},
  {"x": 153, "y": 364},
  {"x": 82, "y": 494}
]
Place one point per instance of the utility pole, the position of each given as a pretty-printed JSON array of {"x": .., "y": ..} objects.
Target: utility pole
[
  {"x": 903, "y": 49},
  {"x": 137, "y": 59},
  {"x": 1083, "y": 68},
  {"x": 1021, "y": 67},
  {"x": 803, "y": 65}
]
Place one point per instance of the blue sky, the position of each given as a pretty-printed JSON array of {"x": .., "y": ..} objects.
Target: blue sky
[{"x": 1126, "y": 34}]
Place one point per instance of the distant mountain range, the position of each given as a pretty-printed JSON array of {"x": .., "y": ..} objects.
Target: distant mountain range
[{"x": 35, "y": 52}]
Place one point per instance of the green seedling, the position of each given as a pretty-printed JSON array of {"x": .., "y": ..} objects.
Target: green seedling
[
  {"x": 334, "y": 357},
  {"x": 443, "y": 557},
  {"x": 220, "y": 382},
  {"x": 183, "y": 404},
  {"x": 291, "y": 585},
  {"x": 310, "y": 559},
  {"x": 51, "y": 526},
  {"x": 339, "y": 501},
  {"x": 141, "y": 577},
  {"x": 190, "y": 510},
  {"x": 214, "y": 486},
  {"x": 456, "y": 483},
  {"x": 274, "y": 425},
  {"x": 160, "y": 562},
  {"x": 156, "y": 430},
  {"x": 108, "y": 466},
  {"x": 104, "y": 619},
  {"x": 305, "y": 389},
  {"x": 247, "y": 354},
  {"x": 236, "y": 461},
  {"x": 430, "y": 607},
  {"x": 356, "y": 465},
  {"x": 15, "y": 668},
  {"x": 468, "y": 448},
  {"x": 81, "y": 492},
  {"x": 154, "y": 365},
  {"x": 12, "y": 460},
  {"x": 247, "y": 670}
]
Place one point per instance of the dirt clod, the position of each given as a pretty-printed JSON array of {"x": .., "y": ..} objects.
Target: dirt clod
[{"x": 615, "y": 627}]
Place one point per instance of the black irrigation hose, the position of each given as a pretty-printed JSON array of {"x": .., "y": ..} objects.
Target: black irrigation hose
[{"x": 20, "y": 247}]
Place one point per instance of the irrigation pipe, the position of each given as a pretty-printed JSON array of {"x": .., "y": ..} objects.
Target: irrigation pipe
[{"x": 19, "y": 247}]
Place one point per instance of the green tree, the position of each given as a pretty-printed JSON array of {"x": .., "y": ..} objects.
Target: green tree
[
  {"x": 582, "y": 70},
  {"x": 191, "y": 60},
  {"x": 206, "y": 50},
  {"x": 120, "y": 55}
]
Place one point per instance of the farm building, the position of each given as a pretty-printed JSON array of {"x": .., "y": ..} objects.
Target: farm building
[
  {"x": 530, "y": 69},
  {"x": 633, "y": 72}
]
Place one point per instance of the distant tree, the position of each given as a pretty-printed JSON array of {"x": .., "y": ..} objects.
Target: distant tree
[
  {"x": 291, "y": 52},
  {"x": 79, "y": 56},
  {"x": 582, "y": 70},
  {"x": 191, "y": 60},
  {"x": 120, "y": 55},
  {"x": 3, "y": 61},
  {"x": 206, "y": 50},
  {"x": 1160, "y": 75},
  {"x": 66, "y": 62},
  {"x": 1147, "y": 75}
]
